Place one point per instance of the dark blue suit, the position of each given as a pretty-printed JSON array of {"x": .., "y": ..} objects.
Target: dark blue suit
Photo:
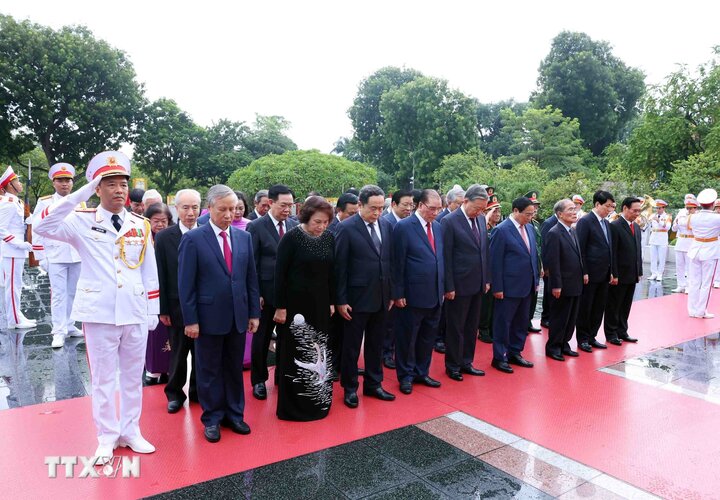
[
  {"x": 515, "y": 273},
  {"x": 547, "y": 299},
  {"x": 419, "y": 278},
  {"x": 221, "y": 304},
  {"x": 389, "y": 341}
]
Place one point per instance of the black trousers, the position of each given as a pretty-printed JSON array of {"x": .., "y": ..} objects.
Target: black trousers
[
  {"x": 180, "y": 346},
  {"x": 463, "y": 314},
  {"x": 592, "y": 308},
  {"x": 389, "y": 338},
  {"x": 617, "y": 310},
  {"x": 486, "y": 315},
  {"x": 546, "y": 302},
  {"x": 442, "y": 326},
  {"x": 533, "y": 306},
  {"x": 261, "y": 346},
  {"x": 372, "y": 327},
  {"x": 335, "y": 342},
  {"x": 563, "y": 316}
]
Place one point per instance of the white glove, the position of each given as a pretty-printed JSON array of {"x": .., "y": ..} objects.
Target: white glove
[
  {"x": 44, "y": 265},
  {"x": 152, "y": 321},
  {"x": 85, "y": 192},
  {"x": 25, "y": 245}
]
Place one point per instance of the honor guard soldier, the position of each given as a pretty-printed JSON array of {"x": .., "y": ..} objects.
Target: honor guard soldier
[
  {"x": 117, "y": 295},
  {"x": 703, "y": 254},
  {"x": 579, "y": 201},
  {"x": 660, "y": 224},
  {"x": 684, "y": 240},
  {"x": 14, "y": 248},
  {"x": 60, "y": 260}
]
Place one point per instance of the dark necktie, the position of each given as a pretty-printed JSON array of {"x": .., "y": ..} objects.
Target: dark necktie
[
  {"x": 475, "y": 229},
  {"x": 374, "y": 236},
  {"x": 116, "y": 222},
  {"x": 226, "y": 251},
  {"x": 281, "y": 230},
  {"x": 604, "y": 228}
]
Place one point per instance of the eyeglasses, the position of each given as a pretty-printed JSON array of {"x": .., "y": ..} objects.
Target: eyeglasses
[{"x": 433, "y": 209}]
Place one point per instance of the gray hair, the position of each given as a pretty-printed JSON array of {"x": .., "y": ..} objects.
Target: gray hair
[
  {"x": 561, "y": 204},
  {"x": 263, "y": 193},
  {"x": 218, "y": 192},
  {"x": 370, "y": 190},
  {"x": 476, "y": 192},
  {"x": 455, "y": 193},
  {"x": 151, "y": 193},
  {"x": 183, "y": 192}
]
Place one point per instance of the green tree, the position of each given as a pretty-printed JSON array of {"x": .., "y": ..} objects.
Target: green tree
[
  {"x": 267, "y": 136},
  {"x": 220, "y": 151},
  {"x": 68, "y": 92},
  {"x": 583, "y": 79},
  {"x": 464, "y": 169},
  {"x": 303, "y": 171},
  {"x": 490, "y": 125},
  {"x": 692, "y": 175}
]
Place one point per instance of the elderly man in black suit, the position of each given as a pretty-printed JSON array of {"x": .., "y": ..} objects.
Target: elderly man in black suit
[
  {"x": 266, "y": 232},
  {"x": 595, "y": 239},
  {"x": 347, "y": 206},
  {"x": 262, "y": 205},
  {"x": 564, "y": 271},
  {"x": 167, "y": 243},
  {"x": 363, "y": 252},
  {"x": 627, "y": 271},
  {"x": 467, "y": 277},
  {"x": 547, "y": 298}
]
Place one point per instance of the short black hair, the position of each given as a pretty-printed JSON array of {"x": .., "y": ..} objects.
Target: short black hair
[
  {"x": 627, "y": 202},
  {"x": 370, "y": 190},
  {"x": 354, "y": 191},
  {"x": 400, "y": 194},
  {"x": 416, "y": 194},
  {"x": 346, "y": 198},
  {"x": 136, "y": 195},
  {"x": 602, "y": 197},
  {"x": 241, "y": 197},
  {"x": 520, "y": 204},
  {"x": 278, "y": 189},
  {"x": 312, "y": 205}
]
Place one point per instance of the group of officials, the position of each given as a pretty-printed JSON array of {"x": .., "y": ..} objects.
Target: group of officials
[{"x": 398, "y": 271}]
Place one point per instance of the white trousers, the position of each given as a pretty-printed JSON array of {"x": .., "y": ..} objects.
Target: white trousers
[
  {"x": 682, "y": 265},
  {"x": 13, "y": 270},
  {"x": 700, "y": 280},
  {"x": 63, "y": 284},
  {"x": 110, "y": 347},
  {"x": 658, "y": 254}
]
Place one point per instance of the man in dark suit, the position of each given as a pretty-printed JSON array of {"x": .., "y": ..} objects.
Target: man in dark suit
[
  {"x": 467, "y": 278},
  {"x": 595, "y": 239},
  {"x": 626, "y": 270},
  {"x": 454, "y": 199},
  {"x": 266, "y": 232},
  {"x": 418, "y": 290},
  {"x": 564, "y": 272},
  {"x": 220, "y": 301},
  {"x": 363, "y": 251},
  {"x": 515, "y": 277},
  {"x": 545, "y": 228},
  {"x": 167, "y": 243},
  {"x": 262, "y": 205},
  {"x": 347, "y": 206}
]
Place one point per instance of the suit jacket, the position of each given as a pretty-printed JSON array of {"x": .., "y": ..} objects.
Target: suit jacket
[
  {"x": 514, "y": 269},
  {"x": 362, "y": 274},
  {"x": 627, "y": 252},
  {"x": 445, "y": 212},
  {"x": 390, "y": 217},
  {"x": 596, "y": 251},
  {"x": 253, "y": 215},
  {"x": 467, "y": 267},
  {"x": 333, "y": 226},
  {"x": 167, "y": 244},
  {"x": 418, "y": 272},
  {"x": 208, "y": 292},
  {"x": 203, "y": 219},
  {"x": 265, "y": 239},
  {"x": 562, "y": 261},
  {"x": 547, "y": 225}
]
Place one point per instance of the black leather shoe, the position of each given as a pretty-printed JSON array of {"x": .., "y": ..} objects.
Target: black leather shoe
[
  {"x": 570, "y": 352},
  {"x": 351, "y": 399},
  {"x": 148, "y": 381},
  {"x": 532, "y": 329},
  {"x": 430, "y": 382},
  {"x": 471, "y": 370},
  {"x": 615, "y": 341},
  {"x": 597, "y": 345},
  {"x": 454, "y": 375},
  {"x": 174, "y": 406},
  {"x": 516, "y": 359},
  {"x": 237, "y": 426},
  {"x": 555, "y": 356},
  {"x": 406, "y": 387},
  {"x": 440, "y": 347},
  {"x": 379, "y": 393},
  {"x": 502, "y": 366},
  {"x": 585, "y": 347},
  {"x": 212, "y": 433},
  {"x": 629, "y": 339},
  {"x": 545, "y": 324},
  {"x": 259, "y": 391},
  {"x": 487, "y": 339},
  {"x": 389, "y": 363}
]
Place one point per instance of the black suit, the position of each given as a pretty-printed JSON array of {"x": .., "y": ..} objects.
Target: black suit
[
  {"x": 389, "y": 341},
  {"x": 467, "y": 273},
  {"x": 253, "y": 215},
  {"x": 563, "y": 267},
  {"x": 363, "y": 283},
  {"x": 265, "y": 239},
  {"x": 547, "y": 299},
  {"x": 333, "y": 226},
  {"x": 596, "y": 251},
  {"x": 167, "y": 243},
  {"x": 627, "y": 268}
]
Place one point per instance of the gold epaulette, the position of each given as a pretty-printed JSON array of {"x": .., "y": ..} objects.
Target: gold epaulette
[
  {"x": 45, "y": 197},
  {"x": 141, "y": 217},
  {"x": 88, "y": 210}
]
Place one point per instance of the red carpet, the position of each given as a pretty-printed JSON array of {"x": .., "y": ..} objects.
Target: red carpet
[{"x": 662, "y": 442}]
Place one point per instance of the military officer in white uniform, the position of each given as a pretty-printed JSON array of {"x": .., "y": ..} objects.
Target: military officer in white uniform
[
  {"x": 15, "y": 248},
  {"x": 117, "y": 295},
  {"x": 703, "y": 254},
  {"x": 59, "y": 259},
  {"x": 684, "y": 240},
  {"x": 660, "y": 224},
  {"x": 579, "y": 201}
]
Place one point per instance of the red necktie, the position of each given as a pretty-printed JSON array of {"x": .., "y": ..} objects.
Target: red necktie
[
  {"x": 632, "y": 228},
  {"x": 524, "y": 237},
  {"x": 430, "y": 238},
  {"x": 281, "y": 231},
  {"x": 226, "y": 251}
]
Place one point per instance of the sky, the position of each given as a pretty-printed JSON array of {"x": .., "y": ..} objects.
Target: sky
[{"x": 304, "y": 60}]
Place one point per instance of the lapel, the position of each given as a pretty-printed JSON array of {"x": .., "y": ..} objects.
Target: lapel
[
  {"x": 602, "y": 233},
  {"x": 212, "y": 241},
  {"x": 272, "y": 229},
  {"x": 569, "y": 237},
  {"x": 420, "y": 229},
  {"x": 361, "y": 226},
  {"x": 466, "y": 227},
  {"x": 176, "y": 236},
  {"x": 516, "y": 234},
  {"x": 236, "y": 246}
]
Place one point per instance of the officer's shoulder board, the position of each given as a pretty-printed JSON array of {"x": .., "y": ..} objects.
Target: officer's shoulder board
[
  {"x": 85, "y": 209},
  {"x": 139, "y": 216},
  {"x": 43, "y": 198}
]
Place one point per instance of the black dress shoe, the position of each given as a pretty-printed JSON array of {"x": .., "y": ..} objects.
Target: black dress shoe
[
  {"x": 597, "y": 345},
  {"x": 389, "y": 363},
  {"x": 237, "y": 426},
  {"x": 430, "y": 382},
  {"x": 174, "y": 406},
  {"x": 379, "y": 393},
  {"x": 454, "y": 375},
  {"x": 532, "y": 329},
  {"x": 487, "y": 339},
  {"x": 212, "y": 433},
  {"x": 615, "y": 341},
  {"x": 555, "y": 356},
  {"x": 571, "y": 353},
  {"x": 259, "y": 391},
  {"x": 351, "y": 399},
  {"x": 471, "y": 370},
  {"x": 628, "y": 339},
  {"x": 585, "y": 347},
  {"x": 545, "y": 324},
  {"x": 516, "y": 359},
  {"x": 406, "y": 387},
  {"x": 164, "y": 378},
  {"x": 502, "y": 366},
  {"x": 440, "y": 347},
  {"x": 148, "y": 381}
]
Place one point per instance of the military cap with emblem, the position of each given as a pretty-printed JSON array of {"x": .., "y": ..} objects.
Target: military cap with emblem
[
  {"x": 61, "y": 171},
  {"x": 707, "y": 196},
  {"x": 492, "y": 202},
  {"x": 660, "y": 203},
  {"x": 7, "y": 177},
  {"x": 576, "y": 198},
  {"x": 107, "y": 164},
  {"x": 690, "y": 200},
  {"x": 533, "y": 196}
]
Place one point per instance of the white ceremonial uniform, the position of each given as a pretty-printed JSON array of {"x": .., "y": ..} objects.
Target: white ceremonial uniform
[
  {"x": 658, "y": 241},
  {"x": 117, "y": 300},
  {"x": 15, "y": 251},
  {"x": 684, "y": 241},
  {"x": 703, "y": 254},
  {"x": 63, "y": 267}
]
